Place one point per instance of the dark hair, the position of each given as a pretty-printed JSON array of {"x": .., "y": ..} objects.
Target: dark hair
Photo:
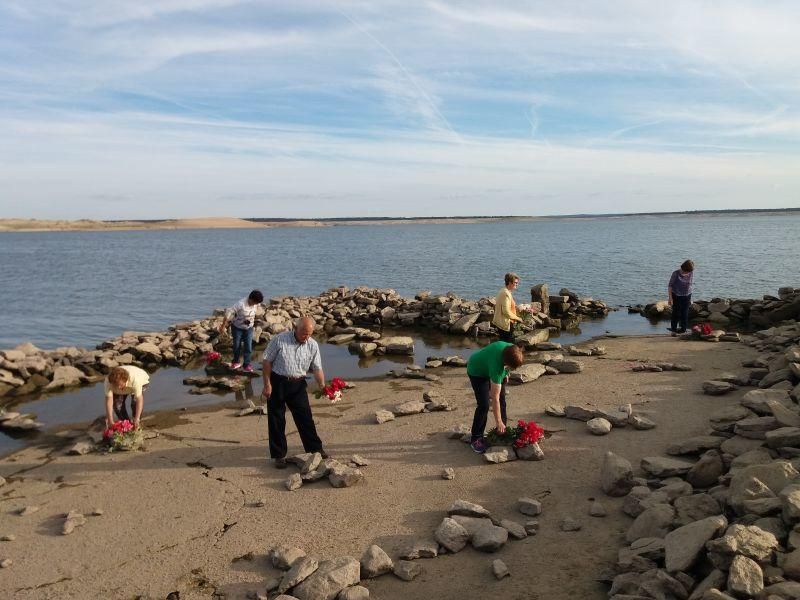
[
  {"x": 512, "y": 356},
  {"x": 256, "y": 296},
  {"x": 511, "y": 278},
  {"x": 687, "y": 266}
]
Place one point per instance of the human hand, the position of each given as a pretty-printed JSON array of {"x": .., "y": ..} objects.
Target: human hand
[
  {"x": 136, "y": 423},
  {"x": 109, "y": 423},
  {"x": 669, "y": 302},
  {"x": 267, "y": 391},
  {"x": 501, "y": 427}
]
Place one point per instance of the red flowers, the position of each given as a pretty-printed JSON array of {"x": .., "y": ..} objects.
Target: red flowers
[
  {"x": 121, "y": 427},
  {"x": 527, "y": 433},
  {"x": 704, "y": 329},
  {"x": 332, "y": 391},
  {"x": 212, "y": 358}
]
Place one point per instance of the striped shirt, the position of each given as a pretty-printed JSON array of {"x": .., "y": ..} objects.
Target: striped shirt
[{"x": 291, "y": 358}]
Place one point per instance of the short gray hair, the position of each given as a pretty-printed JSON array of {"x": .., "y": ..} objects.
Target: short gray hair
[{"x": 306, "y": 319}]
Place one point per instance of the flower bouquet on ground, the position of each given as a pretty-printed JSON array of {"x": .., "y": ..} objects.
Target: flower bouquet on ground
[
  {"x": 524, "y": 438},
  {"x": 122, "y": 435},
  {"x": 332, "y": 391},
  {"x": 702, "y": 329},
  {"x": 213, "y": 358}
]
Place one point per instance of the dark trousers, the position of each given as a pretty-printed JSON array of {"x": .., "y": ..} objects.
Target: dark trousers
[
  {"x": 680, "y": 312},
  {"x": 242, "y": 337},
  {"x": 506, "y": 336},
  {"x": 120, "y": 408},
  {"x": 291, "y": 393},
  {"x": 481, "y": 386}
]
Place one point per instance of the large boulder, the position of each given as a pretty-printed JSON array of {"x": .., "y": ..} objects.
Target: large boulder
[
  {"x": 375, "y": 562},
  {"x": 682, "y": 546},
  {"x": 526, "y": 373},
  {"x": 397, "y": 344},
  {"x": 65, "y": 376},
  {"x": 451, "y": 535},
  {"x": 329, "y": 579},
  {"x": 616, "y": 475}
]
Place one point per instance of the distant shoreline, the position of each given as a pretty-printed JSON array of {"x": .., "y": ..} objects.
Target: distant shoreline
[{"x": 34, "y": 225}]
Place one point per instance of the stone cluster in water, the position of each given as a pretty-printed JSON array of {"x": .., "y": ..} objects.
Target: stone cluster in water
[
  {"x": 344, "y": 315},
  {"x": 723, "y": 311}
]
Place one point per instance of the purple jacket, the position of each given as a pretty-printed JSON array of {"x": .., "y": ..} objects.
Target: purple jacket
[{"x": 681, "y": 283}]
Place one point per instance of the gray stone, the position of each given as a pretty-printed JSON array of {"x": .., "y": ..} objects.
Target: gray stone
[
  {"x": 412, "y": 407},
  {"x": 529, "y": 506},
  {"x": 653, "y": 522},
  {"x": 598, "y": 426},
  {"x": 294, "y": 482},
  {"x": 775, "y": 476},
  {"x": 312, "y": 463},
  {"x": 616, "y": 475},
  {"x": 448, "y": 473},
  {"x": 344, "y": 476},
  {"x": 695, "y": 508},
  {"x": 356, "y": 592},
  {"x": 579, "y": 413},
  {"x": 499, "y": 454},
  {"x": 569, "y": 524},
  {"x": 407, "y": 570},
  {"x": 375, "y": 562},
  {"x": 785, "y": 416},
  {"x": 714, "y": 580},
  {"x": 757, "y": 400},
  {"x": 554, "y": 410},
  {"x": 566, "y": 366},
  {"x": 790, "y": 499},
  {"x": 451, "y": 535},
  {"x": 682, "y": 546},
  {"x": 745, "y": 578},
  {"x": 596, "y": 509},
  {"x": 467, "y": 509},
  {"x": 717, "y": 388},
  {"x": 382, "y": 416},
  {"x": 283, "y": 557},
  {"x": 530, "y": 452},
  {"x": 419, "y": 549},
  {"x": 695, "y": 445},
  {"x": 526, "y": 373},
  {"x": 783, "y": 436},
  {"x": 499, "y": 569},
  {"x": 72, "y": 520},
  {"x": 27, "y": 510},
  {"x": 514, "y": 529},
  {"x": 660, "y": 466},
  {"x": 329, "y": 579},
  {"x": 489, "y": 538},
  {"x": 471, "y": 524},
  {"x": 706, "y": 471},
  {"x": 532, "y": 527},
  {"x": 739, "y": 445},
  {"x": 641, "y": 423},
  {"x": 745, "y": 540},
  {"x": 299, "y": 571}
]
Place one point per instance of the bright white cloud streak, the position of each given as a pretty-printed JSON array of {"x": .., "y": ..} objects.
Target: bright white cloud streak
[{"x": 176, "y": 108}]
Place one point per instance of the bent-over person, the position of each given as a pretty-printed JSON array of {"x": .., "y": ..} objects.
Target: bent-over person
[
  {"x": 287, "y": 360},
  {"x": 122, "y": 382},
  {"x": 488, "y": 370}
]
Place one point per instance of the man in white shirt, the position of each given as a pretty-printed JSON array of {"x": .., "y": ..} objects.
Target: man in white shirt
[
  {"x": 287, "y": 359},
  {"x": 242, "y": 317}
]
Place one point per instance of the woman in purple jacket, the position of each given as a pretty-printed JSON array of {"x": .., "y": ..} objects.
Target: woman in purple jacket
[{"x": 680, "y": 296}]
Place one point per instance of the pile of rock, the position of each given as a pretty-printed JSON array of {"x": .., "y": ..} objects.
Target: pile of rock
[
  {"x": 306, "y": 578},
  {"x": 315, "y": 468},
  {"x": 740, "y": 313},
  {"x": 210, "y": 385},
  {"x": 601, "y": 421},
  {"x": 432, "y": 401},
  {"x": 718, "y": 518},
  {"x": 566, "y": 310},
  {"x": 14, "y": 421},
  {"x": 27, "y": 369}
]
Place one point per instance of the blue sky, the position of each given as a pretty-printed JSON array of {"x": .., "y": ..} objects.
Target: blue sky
[{"x": 174, "y": 108}]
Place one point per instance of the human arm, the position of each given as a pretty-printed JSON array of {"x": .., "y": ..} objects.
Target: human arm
[
  {"x": 319, "y": 377},
  {"x": 266, "y": 367},
  {"x": 137, "y": 410},
  {"x": 669, "y": 286},
  {"x": 494, "y": 397},
  {"x": 109, "y": 408},
  {"x": 508, "y": 308}
]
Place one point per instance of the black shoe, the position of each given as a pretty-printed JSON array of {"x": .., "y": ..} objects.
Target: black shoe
[
  {"x": 280, "y": 463},
  {"x": 324, "y": 454}
]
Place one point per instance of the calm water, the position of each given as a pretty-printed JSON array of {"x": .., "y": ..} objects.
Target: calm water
[{"x": 80, "y": 288}]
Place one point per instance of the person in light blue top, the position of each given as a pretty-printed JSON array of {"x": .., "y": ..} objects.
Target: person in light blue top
[{"x": 680, "y": 296}]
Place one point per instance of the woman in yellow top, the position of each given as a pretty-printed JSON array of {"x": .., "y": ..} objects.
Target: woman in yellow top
[
  {"x": 505, "y": 309},
  {"x": 122, "y": 382}
]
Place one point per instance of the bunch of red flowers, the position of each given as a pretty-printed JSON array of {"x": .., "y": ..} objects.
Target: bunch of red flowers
[
  {"x": 212, "y": 358},
  {"x": 120, "y": 427},
  {"x": 527, "y": 433},
  {"x": 333, "y": 391},
  {"x": 704, "y": 329}
]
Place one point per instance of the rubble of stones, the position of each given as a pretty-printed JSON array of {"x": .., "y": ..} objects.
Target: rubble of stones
[
  {"x": 601, "y": 421},
  {"x": 306, "y": 578},
  {"x": 343, "y": 315},
  {"x": 432, "y": 401},
  {"x": 659, "y": 366},
  {"x": 719, "y": 517},
  {"x": 315, "y": 468},
  {"x": 742, "y": 313}
]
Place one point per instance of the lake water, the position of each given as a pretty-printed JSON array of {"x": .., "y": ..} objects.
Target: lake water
[{"x": 80, "y": 288}]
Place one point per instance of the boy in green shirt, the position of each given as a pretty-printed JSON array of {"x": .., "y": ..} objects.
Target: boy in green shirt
[{"x": 488, "y": 370}]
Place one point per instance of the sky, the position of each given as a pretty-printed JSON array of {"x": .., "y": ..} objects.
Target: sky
[{"x": 176, "y": 108}]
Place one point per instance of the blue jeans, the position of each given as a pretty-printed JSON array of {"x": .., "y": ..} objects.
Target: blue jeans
[
  {"x": 680, "y": 312},
  {"x": 481, "y": 386},
  {"x": 241, "y": 336}
]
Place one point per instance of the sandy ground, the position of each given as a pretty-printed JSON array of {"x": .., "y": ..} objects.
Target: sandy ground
[{"x": 180, "y": 515}]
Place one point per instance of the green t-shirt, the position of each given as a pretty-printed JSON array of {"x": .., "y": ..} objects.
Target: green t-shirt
[{"x": 488, "y": 362}]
